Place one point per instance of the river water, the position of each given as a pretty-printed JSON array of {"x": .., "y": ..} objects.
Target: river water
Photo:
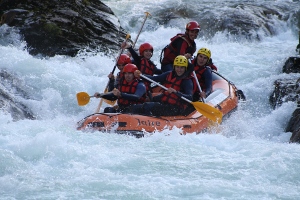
[{"x": 247, "y": 157}]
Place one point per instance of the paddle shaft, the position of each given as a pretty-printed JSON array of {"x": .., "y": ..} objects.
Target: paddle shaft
[
  {"x": 199, "y": 87},
  {"x": 127, "y": 37},
  {"x": 119, "y": 55},
  {"x": 147, "y": 14},
  {"x": 121, "y": 51},
  {"x": 113, "y": 71}
]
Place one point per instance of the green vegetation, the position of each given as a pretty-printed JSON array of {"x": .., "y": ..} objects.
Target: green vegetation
[
  {"x": 86, "y": 2},
  {"x": 52, "y": 29}
]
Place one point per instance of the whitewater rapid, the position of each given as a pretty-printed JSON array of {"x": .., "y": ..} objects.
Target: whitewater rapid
[{"x": 247, "y": 157}]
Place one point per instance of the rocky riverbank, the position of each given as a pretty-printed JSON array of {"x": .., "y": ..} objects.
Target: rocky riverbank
[{"x": 289, "y": 90}]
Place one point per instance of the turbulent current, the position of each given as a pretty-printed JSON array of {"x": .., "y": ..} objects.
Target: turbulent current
[{"x": 247, "y": 157}]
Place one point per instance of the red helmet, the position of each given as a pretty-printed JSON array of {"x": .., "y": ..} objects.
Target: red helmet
[
  {"x": 123, "y": 59},
  {"x": 192, "y": 26},
  {"x": 145, "y": 46},
  {"x": 129, "y": 68}
]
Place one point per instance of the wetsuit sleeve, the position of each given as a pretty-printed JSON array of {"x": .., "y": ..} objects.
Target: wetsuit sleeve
[
  {"x": 140, "y": 91},
  {"x": 110, "y": 96},
  {"x": 207, "y": 80},
  {"x": 136, "y": 57},
  {"x": 187, "y": 87},
  {"x": 158, "y": 78}
]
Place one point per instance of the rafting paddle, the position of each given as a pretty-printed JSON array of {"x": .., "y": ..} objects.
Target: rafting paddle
[
  {"x": 147, "y": 14},
  {"x": 106, "y": 87},
  {"x": 199, "y": 87},
  {"x": 206, "y": 110},
  {"x": 121, "y": 51},
  {"x": 83, "y": 98}
]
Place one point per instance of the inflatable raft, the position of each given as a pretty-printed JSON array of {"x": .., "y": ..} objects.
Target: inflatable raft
[{"x": 225, "y": 98}]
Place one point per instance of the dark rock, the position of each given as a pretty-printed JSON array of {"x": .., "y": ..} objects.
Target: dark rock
[
  {"x": 284, "y": 90},
  {"x": 294, "y": 126},
  {"x": 63, "y": 27},
  {"x": 246, "y": 19},
  {"x": 289, "y": 90},
  {"x": 292, "y": 65}
]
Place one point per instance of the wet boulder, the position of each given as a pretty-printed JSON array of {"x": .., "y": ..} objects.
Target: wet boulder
[
  {"x": 63, "y": 27},
  {"x": 292, "y": 65},
  {"x": 294, "y": 126},
  {"x": 285, "y": 90},
  {"x": 248, "y": 20},
  {"x": 289, "y": 90}
]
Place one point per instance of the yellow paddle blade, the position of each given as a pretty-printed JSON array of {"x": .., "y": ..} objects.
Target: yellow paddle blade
[
  {"x": 110, "y": 102},
  {"x": 208, "y": 111},
  {"x": 83, "y": 98}
]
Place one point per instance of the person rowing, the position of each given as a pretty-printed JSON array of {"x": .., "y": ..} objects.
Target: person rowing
[
  {"x": 131, "y": 91},
  {"x": 178, "y": 85}
]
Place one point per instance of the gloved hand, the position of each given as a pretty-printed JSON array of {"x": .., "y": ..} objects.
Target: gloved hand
[{"x": 137, "y": 74}]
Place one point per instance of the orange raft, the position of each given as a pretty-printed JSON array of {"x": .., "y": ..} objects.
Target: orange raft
[{"x": 225, "y": 97}]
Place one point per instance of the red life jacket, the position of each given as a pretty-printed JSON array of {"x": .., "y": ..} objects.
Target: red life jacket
[
  {"x": 129, "y": 88},
  {"x": 170, "y": 52},
  {"x": 147, "y": 67},
  {"x": 175, "y": 83},
  {"x": 213, "y": 67},
  {"x": 199, "y": 71}
]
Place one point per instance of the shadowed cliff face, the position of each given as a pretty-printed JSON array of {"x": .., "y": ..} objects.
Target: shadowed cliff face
[{"x": 63, "y": 27}]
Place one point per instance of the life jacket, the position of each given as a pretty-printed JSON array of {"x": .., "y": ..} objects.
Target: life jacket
[
  {"x": 175, "y": 83},
  {"x": 213, "y": 67},
  {"x": 129, "y": 88},
  {"x": 170, "y": 52},
  {"x": 147, "y": 67},
  {"x": 199, "y": 71}
]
